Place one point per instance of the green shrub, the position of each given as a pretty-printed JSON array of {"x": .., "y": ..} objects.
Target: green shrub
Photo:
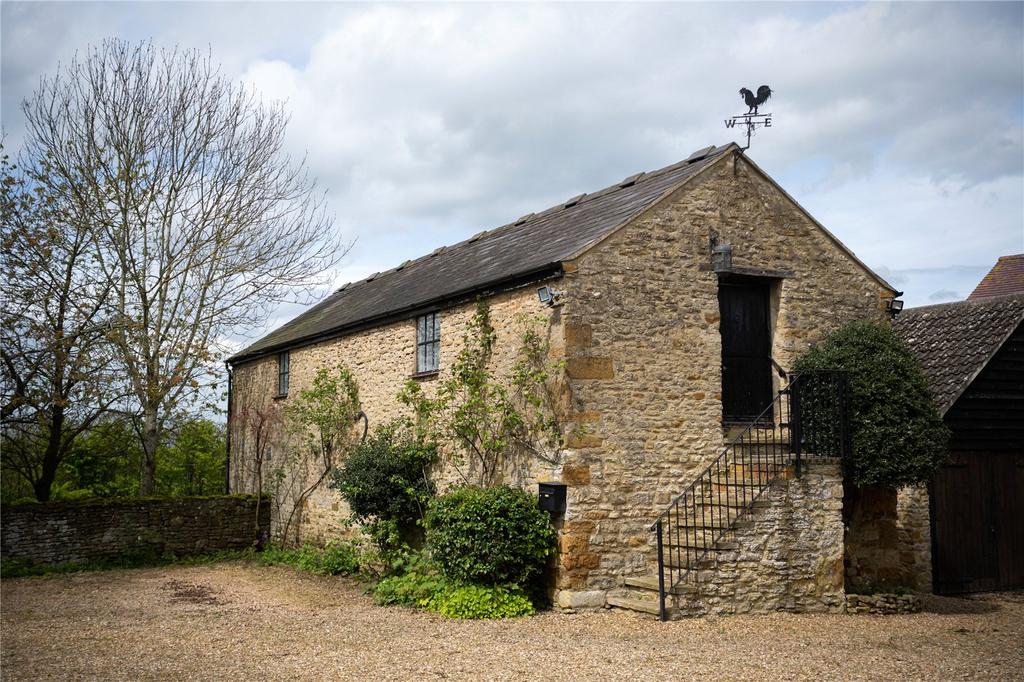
[
  {"x": 489, "y": 536},
  {"x": 478, "y": 601},
  {"x": 334, "y": 559},
  {"x": 410, "y": 589},
  {"x": 385, "y": 484},
  {"x": 898, "y": 436}
]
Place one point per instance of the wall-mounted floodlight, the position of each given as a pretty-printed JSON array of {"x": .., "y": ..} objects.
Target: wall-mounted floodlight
[
  {"x": 894, "y": 306},
  {"x": 549, "y": 296}
]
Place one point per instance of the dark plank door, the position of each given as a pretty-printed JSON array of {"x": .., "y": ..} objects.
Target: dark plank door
[
  {"x": 746, "y": 350},
  {"x": 978, "y": 523},
  {"x": 1008, "y": 477}
]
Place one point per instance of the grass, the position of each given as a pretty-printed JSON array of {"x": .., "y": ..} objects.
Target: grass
[
  {"x": 334, "y": 559},
  {"x": 19, "y": 568}
]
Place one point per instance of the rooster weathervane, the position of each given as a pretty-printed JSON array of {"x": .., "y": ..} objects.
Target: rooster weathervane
[{"x": 752, "y": 119}]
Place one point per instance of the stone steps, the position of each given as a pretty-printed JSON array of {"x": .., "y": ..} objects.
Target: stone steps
[
  {"x": 650, "y": 583},
  {"x": 638, "y": 605},
  {"x": 686, "y": 551}
]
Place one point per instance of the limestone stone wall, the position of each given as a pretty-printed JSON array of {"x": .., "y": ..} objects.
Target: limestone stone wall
[
  {"x": 108, "y": 530},
  {"x": 788, "y": 557},
  {"x": 382, "y": 360},
  {"x": 914, "y": 537},
  {"x": 885, "y": 604},
  {"x": 641, "y": 324},
  {"x": 872, "y": 542}
]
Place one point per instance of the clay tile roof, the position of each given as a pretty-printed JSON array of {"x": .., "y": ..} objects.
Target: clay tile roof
[
  {"x": 535, "y": 244},
  {"x": 954, "y": 341},
  {"x": 1006, "y": 277}
]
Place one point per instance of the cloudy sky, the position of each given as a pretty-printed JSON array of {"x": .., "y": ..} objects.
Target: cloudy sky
[{"x": 898, "y": 126}]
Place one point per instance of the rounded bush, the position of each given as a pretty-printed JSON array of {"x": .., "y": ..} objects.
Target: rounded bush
[
  {"x": 898, "y": 436},
  {"x": 489, "y": 536},
  {"x": 384, "y": 479}
]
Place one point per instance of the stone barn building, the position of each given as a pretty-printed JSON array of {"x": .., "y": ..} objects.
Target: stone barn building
[{"x": 681, "y": 297}]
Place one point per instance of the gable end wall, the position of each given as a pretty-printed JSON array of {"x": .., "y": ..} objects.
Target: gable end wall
[{"x": 642, "y": 307}]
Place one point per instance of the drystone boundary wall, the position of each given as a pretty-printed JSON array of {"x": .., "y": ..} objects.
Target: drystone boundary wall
[
  {"x": 111, "y": 530},
  {"x": 885, "y": 604}
]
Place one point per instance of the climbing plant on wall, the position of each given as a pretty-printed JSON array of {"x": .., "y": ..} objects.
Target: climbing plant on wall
[
  {"x": 321, "y": 425},
  {"x": 482, "y": 420}
]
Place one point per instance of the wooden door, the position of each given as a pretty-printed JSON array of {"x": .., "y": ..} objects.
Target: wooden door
[
  {"x": 978, "y": 523},
  {"x": 746, "y": 350}
]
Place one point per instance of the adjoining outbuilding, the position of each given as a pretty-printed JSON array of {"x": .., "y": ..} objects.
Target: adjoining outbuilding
[{"x": 965, "y": 531}]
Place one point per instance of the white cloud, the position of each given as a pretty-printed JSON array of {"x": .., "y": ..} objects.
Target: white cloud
[{"x": 898, "y": 126}]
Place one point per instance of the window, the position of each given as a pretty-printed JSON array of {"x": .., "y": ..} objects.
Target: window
[
  {"x": 283, "y": 371},
  {"x": 428, "y": 343}
]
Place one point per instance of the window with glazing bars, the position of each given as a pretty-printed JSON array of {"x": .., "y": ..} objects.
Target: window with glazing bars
[
  {"x": 428, "y": 342},
  {"x": 283, "y": 370}
]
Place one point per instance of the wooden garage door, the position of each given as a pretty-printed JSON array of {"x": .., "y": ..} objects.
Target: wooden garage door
[{"x": 978, "y": 523}]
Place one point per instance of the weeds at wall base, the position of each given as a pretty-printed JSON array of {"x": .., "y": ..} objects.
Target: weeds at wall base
[{"x": 335, "y": 559}]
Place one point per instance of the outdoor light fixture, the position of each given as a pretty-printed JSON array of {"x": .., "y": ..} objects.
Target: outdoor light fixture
[
  {"x": 721, "y": 257},
  {"x": 894, "y": 306},
  {"x": 549, "y": 296}
]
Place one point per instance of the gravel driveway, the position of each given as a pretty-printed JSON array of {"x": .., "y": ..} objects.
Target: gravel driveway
[{"x": 241, "y": 621}]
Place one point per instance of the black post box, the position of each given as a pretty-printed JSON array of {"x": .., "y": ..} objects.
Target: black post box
[{"x": 552, "y": 497}]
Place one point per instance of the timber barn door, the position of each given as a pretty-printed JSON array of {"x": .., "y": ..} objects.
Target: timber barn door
[
  {"x": 746, "y": 349},
  {"x": 978, "y": 523}
]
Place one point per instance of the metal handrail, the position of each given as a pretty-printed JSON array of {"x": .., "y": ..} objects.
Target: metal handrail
[
  {"x": 756, "y": 422},
  {"x": 727, "y": 488}
]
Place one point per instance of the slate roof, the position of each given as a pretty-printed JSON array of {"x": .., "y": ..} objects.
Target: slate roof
[
  {"x": 528, "y": 249},
  {"x": 534, "y": 244},
  {"x": 954, "y": 341},
  {"x": 1005, "y": 277}
]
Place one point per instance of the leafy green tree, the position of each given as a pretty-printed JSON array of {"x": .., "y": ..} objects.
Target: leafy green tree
[
  {"x": 104, "y": 461},
  {"x": 898, "y": 436},
  {"x": 193, "y": 462}
]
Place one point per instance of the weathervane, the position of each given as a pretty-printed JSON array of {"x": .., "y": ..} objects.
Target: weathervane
[{"x": 752, "y": 119}]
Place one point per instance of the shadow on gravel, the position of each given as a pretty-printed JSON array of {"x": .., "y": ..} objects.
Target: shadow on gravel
[{"x": 969, "y": 603}]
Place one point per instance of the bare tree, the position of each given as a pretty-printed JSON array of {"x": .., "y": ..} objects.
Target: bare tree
[
  {"x": 203, "y": 222},
  {"x": 258, "y": 428},
  {"x": 57, "y": 377}
]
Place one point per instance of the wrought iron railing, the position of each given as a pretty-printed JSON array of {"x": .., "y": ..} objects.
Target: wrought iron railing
[{"x": 807, "y": 420}]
